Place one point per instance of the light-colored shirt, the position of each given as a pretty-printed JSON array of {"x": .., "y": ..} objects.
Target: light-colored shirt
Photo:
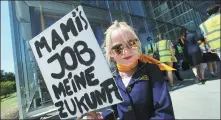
[
  {"x": 204, "y": 48},
  {"x": 126, "y": 81}
]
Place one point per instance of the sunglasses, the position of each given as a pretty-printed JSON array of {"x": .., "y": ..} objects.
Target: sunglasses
[{"x": 118, "y": 49}]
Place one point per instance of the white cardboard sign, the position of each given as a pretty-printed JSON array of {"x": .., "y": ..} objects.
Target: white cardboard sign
[{"x": 73, "y": 66}]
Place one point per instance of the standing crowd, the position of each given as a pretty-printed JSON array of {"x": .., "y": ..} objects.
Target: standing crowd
[{"x": 188, "y": 51}]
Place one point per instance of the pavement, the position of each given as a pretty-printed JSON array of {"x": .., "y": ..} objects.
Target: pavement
[{"x": 196, "y": 101}]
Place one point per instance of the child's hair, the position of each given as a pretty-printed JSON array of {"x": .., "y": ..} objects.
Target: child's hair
[{"x": 122, "y": 26}]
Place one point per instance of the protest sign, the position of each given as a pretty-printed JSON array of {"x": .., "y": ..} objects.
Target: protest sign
[{"x": 73, "y": 66}]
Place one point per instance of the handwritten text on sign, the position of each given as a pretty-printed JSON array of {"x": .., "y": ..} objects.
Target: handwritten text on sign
[{"x": 73, "y": 66}]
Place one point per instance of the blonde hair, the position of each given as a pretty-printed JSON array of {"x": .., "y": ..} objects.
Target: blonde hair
[{"x": 123, "y": 26}]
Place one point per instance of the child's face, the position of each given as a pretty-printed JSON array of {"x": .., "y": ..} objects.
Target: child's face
[{"x": 124, "y": 49}]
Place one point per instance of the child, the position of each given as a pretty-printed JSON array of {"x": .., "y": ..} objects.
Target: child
[{"x": 140, "y": 81}]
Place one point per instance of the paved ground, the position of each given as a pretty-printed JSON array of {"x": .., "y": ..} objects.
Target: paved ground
[{"x": 197, "y": 101}]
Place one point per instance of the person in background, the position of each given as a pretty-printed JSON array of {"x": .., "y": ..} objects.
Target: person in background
[
  {"x": 165, "y": 50},
  {"x": 192, "y": 53},
  {"x": 209, "y": 58},
  {"x": 210, "y": 29},
  {"x": 141, "y": 83},
  {"x": 149, "y": 47},
  {"x": 177, "y": 52}
]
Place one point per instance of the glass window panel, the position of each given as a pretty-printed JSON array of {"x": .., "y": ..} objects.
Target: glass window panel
[
  {"x": 154, "y": 4},
  {"x": 50, "y": 20},
  {"x": 157, "y": 12},
  {"x": 169, "y": 4},
  {"x": 140, "y": 28},
  {"x": 167, "y": 16},
  {"x": 111, "y": 4},
  {"x": 97, "y": 30},
  {"x": 96, "y": 14},
  {"x": 181, "y": 8},
  {"x": 168, "y": 37},
  {"x": 149, "y": 26},
  {"x": 158, "y": 3},
  {"x": 173, "y": 13},
  {"x": 136, "y": 8},
  {"x": 122, "y": 5},
  {"x": 173, "y": 3},
  {"x": 177, "y": 2},
  {"x": 163, "y": 7},
  {"x": 163, "y": 28},
  {"x": 32, "y": 72},
  {"x": 89, "y": 1},
  {"x": 192, "y": 15},
  {"x": 161, "y": 1},
  {"x": 155, "y": 32},
  {"x": 177, "y": 10},
  {"x": 189, "y": 16},
  {"x": 161, "y": 18},
  {"x": 153, "y": 24},
  {"x": 184, "y": 7},
  {"x": 188, "y": 6},
  {"x": 148, "y": 10},
  {"x": 116, "y": 16},
  {"x": 177, "y": 19},
  {"x": 102, "y": 3},
  {"x": 126, "y": 18},
  {"x": 185, "y": 18},
  {"x": 172, "y": 34},
  {"x": 175, "y": 33},
  {"x": 169, "y": 27},
  {"x": 159, "y": 23},
  {"x": 174, "y": 21}
]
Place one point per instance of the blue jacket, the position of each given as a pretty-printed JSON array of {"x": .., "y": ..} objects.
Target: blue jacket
[{"x": 146, "y": 96}]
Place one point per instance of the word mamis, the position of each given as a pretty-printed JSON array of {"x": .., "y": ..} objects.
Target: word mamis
[
  {"x": 73, "y": 24},
  {"x": 89, "y": 101}
]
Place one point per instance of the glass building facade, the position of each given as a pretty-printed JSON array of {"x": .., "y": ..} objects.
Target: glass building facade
[{"x": 29, "y": 18}]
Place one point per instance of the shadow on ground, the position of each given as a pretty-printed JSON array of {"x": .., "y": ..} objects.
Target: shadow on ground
[{"x": 189, "y": 79}]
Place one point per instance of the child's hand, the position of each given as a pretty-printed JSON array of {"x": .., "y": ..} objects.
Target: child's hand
[{"x": 94, "y": 116}]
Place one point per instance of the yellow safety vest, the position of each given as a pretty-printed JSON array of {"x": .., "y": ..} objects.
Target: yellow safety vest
[
  {"x": 211, "y": 30},
  {"x": 164, "y": 51},
  {"x": 174, "y": 52}
]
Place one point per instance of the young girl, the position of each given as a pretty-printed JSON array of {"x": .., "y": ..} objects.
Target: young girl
[{"x": 141, "y": 83}]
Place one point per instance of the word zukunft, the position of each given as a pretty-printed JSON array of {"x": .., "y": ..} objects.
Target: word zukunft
[{"x": 87, "y": 101}]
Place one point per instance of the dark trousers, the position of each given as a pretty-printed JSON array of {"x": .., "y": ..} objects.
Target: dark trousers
[{"x": 177, "y": 73}]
